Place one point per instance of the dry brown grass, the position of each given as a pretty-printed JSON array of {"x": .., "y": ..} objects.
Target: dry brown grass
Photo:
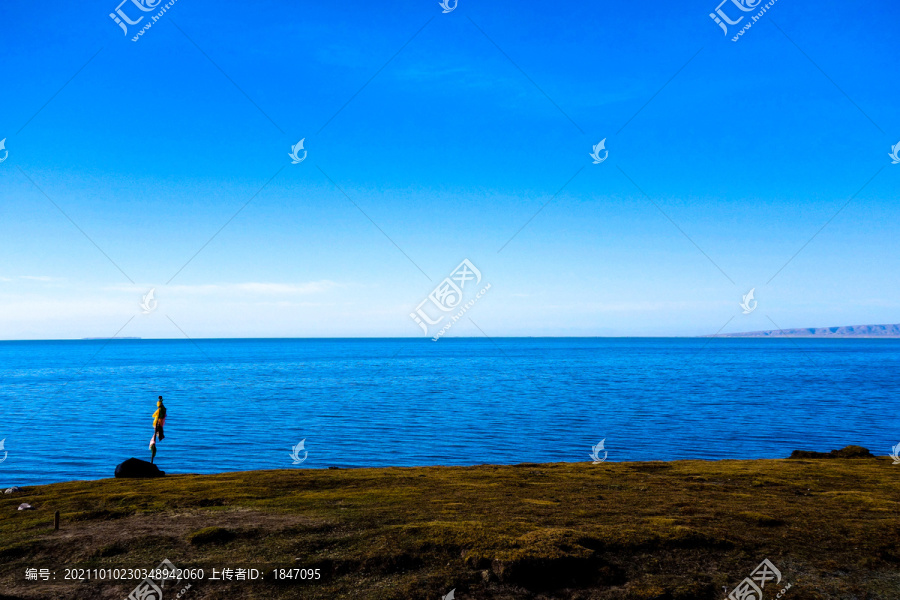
[{"x": 668, "y": 531}]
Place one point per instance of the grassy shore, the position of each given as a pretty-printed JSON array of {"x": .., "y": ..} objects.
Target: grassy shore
[{"x": 684, "y": 530}]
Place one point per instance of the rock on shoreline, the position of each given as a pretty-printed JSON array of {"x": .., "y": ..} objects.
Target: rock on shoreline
[{"x": 845, "y": 452}]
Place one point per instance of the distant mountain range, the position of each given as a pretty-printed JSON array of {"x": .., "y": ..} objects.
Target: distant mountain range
[{"x": 847, "y": 331}]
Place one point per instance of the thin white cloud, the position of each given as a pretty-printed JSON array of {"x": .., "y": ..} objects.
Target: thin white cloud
[
  {"x": 253, "y": 288},
  {"x": 636, "y": 306},
  {"x": 36, "y": 277},
  {"x": 313, "y": 287}
]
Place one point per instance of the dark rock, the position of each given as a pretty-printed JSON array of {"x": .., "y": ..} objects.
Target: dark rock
[
  {"x": 557, "y": 572},
  {"x": 853, "y": 452},
  {"x": 552, "y": 558},
  {"x": 135, "y": 467},
  {"x": 845, "y": 452},
  {"x": 809, "y": 454}
]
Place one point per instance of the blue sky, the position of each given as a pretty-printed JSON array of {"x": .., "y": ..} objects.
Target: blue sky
[{"x": 446, "y": 133}]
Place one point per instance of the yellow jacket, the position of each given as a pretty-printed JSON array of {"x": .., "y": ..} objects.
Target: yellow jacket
[{"x": 159, "y": 417}]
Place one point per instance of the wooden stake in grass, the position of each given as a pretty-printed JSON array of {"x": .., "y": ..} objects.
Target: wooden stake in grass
[{"x": 56, "y": 520}]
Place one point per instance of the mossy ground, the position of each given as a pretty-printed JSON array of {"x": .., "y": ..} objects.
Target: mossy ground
[{"x": 684, "y": 530}]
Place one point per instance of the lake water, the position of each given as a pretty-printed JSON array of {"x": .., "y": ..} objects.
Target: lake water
[{"x": 74, "y": 409}]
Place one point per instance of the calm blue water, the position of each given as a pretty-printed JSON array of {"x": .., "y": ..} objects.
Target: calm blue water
[{"x": 74, "y": 409}]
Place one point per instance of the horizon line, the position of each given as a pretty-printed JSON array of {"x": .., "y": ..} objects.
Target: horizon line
[{"x": 747, "y": 335}]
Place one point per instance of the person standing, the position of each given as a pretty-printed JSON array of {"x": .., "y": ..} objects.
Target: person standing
[{"x": 159, "y": 420}]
